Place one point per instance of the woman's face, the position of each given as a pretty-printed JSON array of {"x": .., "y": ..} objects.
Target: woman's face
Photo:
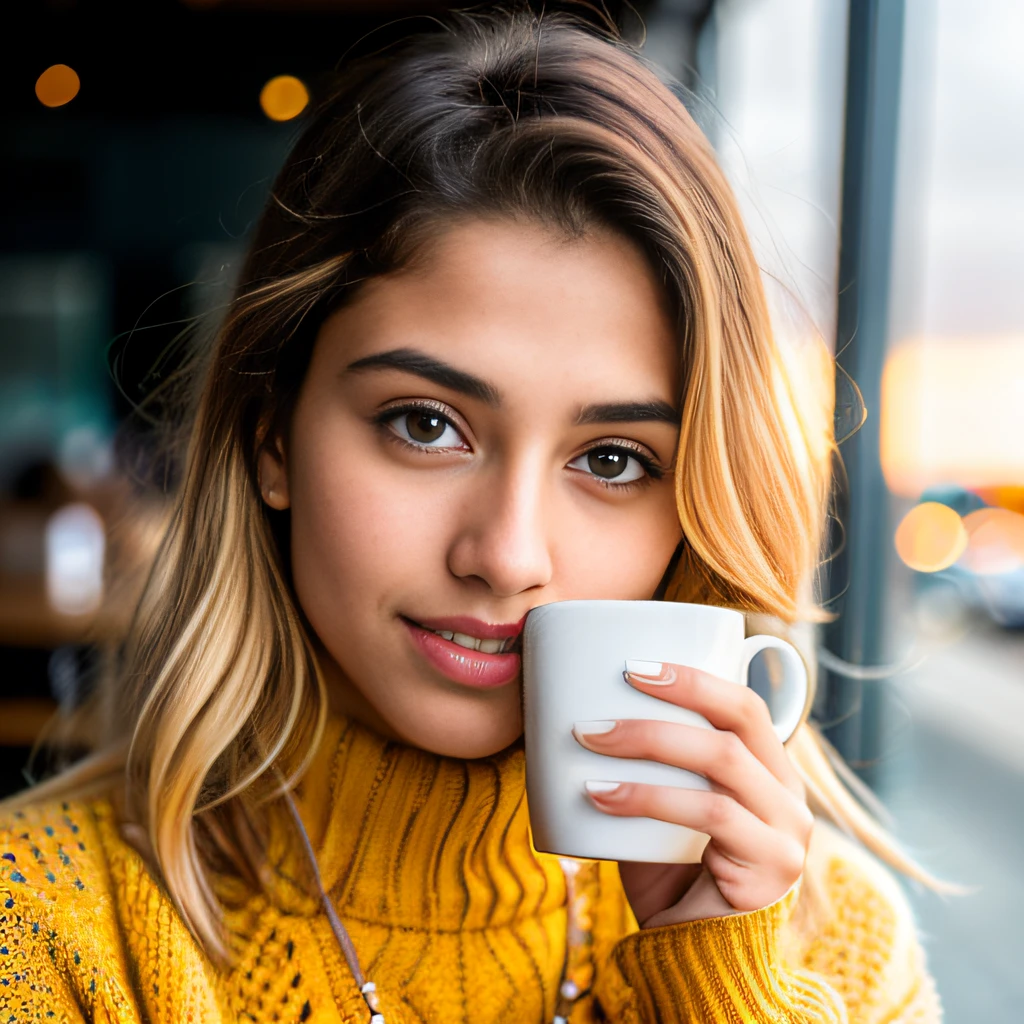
[{"x": 489, "y": 430}]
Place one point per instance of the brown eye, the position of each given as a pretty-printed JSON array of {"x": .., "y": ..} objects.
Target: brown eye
[
  {"x": 614, "y": 464},
  {"x": 607, "y": 463},
  {"x": 425, "y": 426}
]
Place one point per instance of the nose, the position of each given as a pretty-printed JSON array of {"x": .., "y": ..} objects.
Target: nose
[{"x": 503, "y": 539}]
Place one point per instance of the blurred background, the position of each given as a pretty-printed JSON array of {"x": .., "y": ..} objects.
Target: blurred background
[{"x": 877, "y": 151}]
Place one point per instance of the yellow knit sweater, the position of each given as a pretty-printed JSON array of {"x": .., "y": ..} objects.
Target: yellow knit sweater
[{"x": 454, "y": 916}]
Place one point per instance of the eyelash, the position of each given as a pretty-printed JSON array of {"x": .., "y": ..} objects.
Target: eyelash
[
  {"x": 386, "y": 416},
  {"x": 652, "y": 470}
]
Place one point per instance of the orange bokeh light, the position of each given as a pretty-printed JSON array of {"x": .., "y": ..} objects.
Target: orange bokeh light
[
  {"x": 57, "y": 85},
  {"x": 951, "y": 413},
  {"x": 284, "y": 97},
  {"x": 995, "y": 541},
  {"x": 1011, "y": 497},
  {"x": 931, "y": 537}
]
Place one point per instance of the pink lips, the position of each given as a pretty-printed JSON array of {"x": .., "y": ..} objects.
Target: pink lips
[{"x": 460, "y": 664}]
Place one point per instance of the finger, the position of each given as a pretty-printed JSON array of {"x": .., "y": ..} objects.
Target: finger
[
  {"x": 745, "y": 888},
  {"x": 719, "y": 756},
  {"x": 703, "y": 900},
  {"x": 738, "y": 834},
  {"x": 725, "y": 704}
]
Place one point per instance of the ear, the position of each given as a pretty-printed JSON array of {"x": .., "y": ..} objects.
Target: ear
[{"x": 273, "y": 475}]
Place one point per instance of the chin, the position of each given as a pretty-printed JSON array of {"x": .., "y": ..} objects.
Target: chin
[
  {"x": 467, "y": 736},
  {"x": 470, "y": 748}
]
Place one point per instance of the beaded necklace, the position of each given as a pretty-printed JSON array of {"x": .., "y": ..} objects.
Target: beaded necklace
[{"x": 578, "y": 938}]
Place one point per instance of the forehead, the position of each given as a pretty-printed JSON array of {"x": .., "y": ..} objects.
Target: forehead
[{"x": 518, "y": 303}]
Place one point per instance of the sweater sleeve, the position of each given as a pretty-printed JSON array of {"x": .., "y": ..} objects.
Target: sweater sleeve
[
  {"x": 32, "y": 986},
  {"x": 839, "y": 947},
  {"x": 724, "y": 969},
  {"x": 60, "y": 955}
]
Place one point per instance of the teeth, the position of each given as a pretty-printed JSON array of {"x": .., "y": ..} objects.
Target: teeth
[
  {"x": 466, "y": 641},
  {"x": 474, "y": 643}
]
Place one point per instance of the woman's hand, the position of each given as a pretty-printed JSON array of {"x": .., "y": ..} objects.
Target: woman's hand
[{"x": 755, "y": 813}]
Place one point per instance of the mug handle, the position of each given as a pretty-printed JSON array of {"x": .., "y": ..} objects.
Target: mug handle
[{"x": 792, "y": 697}]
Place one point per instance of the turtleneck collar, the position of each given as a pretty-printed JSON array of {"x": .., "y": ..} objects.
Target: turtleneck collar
[{"x": 412, "y": 839}]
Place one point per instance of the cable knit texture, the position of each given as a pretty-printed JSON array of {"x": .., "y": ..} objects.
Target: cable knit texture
[{"x": 454, "y": 915}]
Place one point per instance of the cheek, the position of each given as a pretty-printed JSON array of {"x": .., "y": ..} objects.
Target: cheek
[
  {"x": 359, "y": 530},
  {"x": 620, "y": 557}
]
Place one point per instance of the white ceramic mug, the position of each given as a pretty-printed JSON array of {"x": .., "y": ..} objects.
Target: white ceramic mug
[{"x": 574, "y": 655}]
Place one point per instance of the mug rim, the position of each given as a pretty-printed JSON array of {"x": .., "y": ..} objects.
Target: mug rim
[{"x": 600, "y": 601}]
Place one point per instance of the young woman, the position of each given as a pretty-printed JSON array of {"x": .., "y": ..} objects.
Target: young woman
[{"x": 500, "y": 341}]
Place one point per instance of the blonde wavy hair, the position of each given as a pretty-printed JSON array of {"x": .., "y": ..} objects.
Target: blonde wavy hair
[{"x": 215, "y": 689}]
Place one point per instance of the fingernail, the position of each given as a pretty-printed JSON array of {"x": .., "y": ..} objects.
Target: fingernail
[
  {"x": 649, "y": 672},
  {"x": 581, "y": 729},
  {"x": 595, "y": 788}
]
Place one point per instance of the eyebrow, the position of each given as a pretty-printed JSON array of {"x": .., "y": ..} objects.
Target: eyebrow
[
  {"x": 410, "y": 360},
  {"x": 629, "y": 412}
]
